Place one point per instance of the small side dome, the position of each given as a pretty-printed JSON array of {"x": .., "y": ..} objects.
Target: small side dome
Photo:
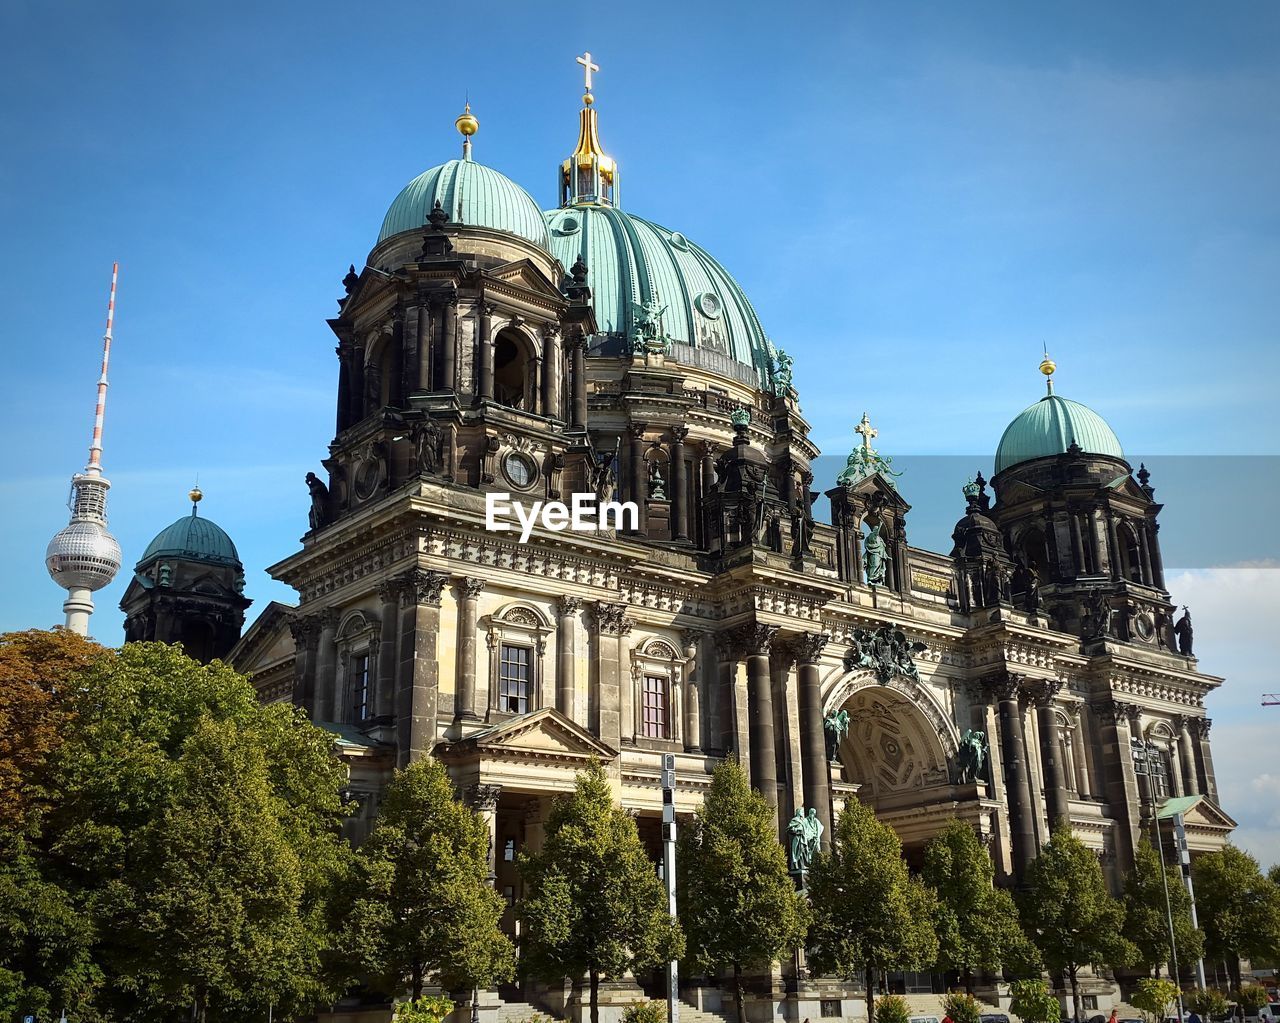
[
  {"x": 195, "y": 539},
  {"x": 1049, "y": 427},
  {"x": 472, "y": 195}
]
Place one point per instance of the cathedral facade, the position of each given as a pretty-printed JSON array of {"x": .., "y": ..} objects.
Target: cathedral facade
[{"x": 1030, "y": 678}]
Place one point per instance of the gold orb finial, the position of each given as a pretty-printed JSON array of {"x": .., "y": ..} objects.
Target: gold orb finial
[
  {"x": 196, "y": 495},
  {"x": 1048, "y": 366},
  {"x": 466, "y": 123},
  {"x": 587, "y": 99}
]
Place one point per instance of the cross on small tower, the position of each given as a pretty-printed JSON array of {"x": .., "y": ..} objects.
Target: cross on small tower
[
  {"x": 587, "y": 66},
  {"x": 866, "y": 430}
]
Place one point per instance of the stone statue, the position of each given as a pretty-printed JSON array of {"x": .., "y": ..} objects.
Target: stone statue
[
  {"x": 657, "y": 486},
  {"x": 319, "y": 516},
  {"x": 372, "y": 387},
  {"x": 971, "y": 757},
  {"x": 646, "y": 334},
  {"x": 835, "y": 727},
  {"x": 426, "y": 442},
  {"x": 780, "y": 373},
  {"x": 886, "y": 651},
  {"x": 166, "y": 573},
  {"x": 806, "y": 839},
  {"x": 750, "y": 507},
  {"x": 1032, "y": 599},
  {"x": 602, "y": 479},
  {"x": 1097, "y": 615},
  {"x": 875, "y": 557},
  {"x": 801, "y": 531},
  {"x": 1184, "y": 632}
]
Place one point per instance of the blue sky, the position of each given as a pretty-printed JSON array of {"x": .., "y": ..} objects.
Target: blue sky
[{"x": 915, "y": 196}]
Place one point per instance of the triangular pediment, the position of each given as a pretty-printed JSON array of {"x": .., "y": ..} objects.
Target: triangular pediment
[
  {"x": 523, "y": 274},
  {"x": 1015, "y": 491},
  {"x": 266, "y": 642},
  {"x": 542, "y": 733},
  {"x": 1207, "y": 814},
  {"x": 877, "y": 487}
]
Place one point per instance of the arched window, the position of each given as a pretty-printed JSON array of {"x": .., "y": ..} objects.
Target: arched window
[
  {"x": 512, "y": 359},
  {"x": 1130, "y": 553},
  {"x": 1035, "y": 552}
]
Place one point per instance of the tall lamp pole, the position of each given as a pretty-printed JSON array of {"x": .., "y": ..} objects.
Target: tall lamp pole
[{"x": 669, "y": 872}]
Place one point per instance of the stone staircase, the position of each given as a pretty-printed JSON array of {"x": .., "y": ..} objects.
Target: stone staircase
[
  {"x": 931, "y": 1005},
  {"x": 691, "y": 1014}
]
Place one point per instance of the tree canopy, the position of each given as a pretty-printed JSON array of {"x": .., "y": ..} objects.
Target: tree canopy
[
  {"x": 1238, "y": 907},
  {"x": 593, "y": 902},
  {"x": 869, "y": 913},
  {"x": 737, "y": 902},
  {"x": 977, "y": 923},
  {"x": 421, "y": 904},
  {"x": 1146, "y": 917},
  {"x": 186, "y": 846},
  {"x": 1069, "y": 912}
]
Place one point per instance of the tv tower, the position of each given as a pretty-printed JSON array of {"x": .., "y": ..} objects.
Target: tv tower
[{"x": 83, "y": 556}]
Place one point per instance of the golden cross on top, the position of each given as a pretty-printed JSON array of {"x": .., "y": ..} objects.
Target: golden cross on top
[
  {"x": 866, "y": 430},
  {"x": 587, "y": 66}
]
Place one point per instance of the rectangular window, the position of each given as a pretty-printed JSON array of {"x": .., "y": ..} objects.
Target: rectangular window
[
  {"x": 514, "y": 679},
  {"x": 360, "y": 687},
  {"x": 1089, "y": 1001},
  {"x": 653, "y": 707},
  {"x": 829, "y": 1008}
]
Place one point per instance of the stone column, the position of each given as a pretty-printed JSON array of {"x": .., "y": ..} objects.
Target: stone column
[
  {"x": 1055, "y": 780},
  {"x": 1187, "y": 758},
  {"x": 1148, "y": 576},
  {"x": 1204, "y": 758},
  {"x": 484, "y": 800},
  {"x": 465, "y": 709},
  {"x": 764, "y": 769},
  {"x": 306, "y": 636},
  {"x": 733, "y": 711},
  {"x": 426, "y": 313},
  {"x": 1175, "y": 770},
  {"x": 569, "y": 608},
  {"x": 551, "y": 372},
  {"x": 679, "y": 506},
  {"x": 692, "y": 692},
  {"x": 449, "y": 347},
  {"x": 485, "y": 352},
  {"x": 1081, "y": 756},
  {"x": 1077, "y": 544},
  {"x": 612, "y": 625},
  {"x": 1153, "y": 542},
  {"x": 1017, "y": 779},
  {"x": 417, "y": 686},
  {"x": 1113, "y": 541},
  {"x": 639, "y": 480},
  {"x": 579, "y": 348},
  {"x": 358, "y": 410},
  {"x": 384, "y": 700},
  {"x": 326, "y": 665},
  {"x": 1120, "y": 780},
  {"x": 813, "y": 741},
  {"x": 344, "y": 386}
]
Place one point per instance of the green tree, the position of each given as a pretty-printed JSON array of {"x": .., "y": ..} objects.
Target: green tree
[
  {"x": 1146, "y": 916},
  {"x": 1207, "y": 1003},
  {"x": 422, "y": 904},
  {"x": 869, "y": 913},
  {"x": 593, "y": 903},
  {"x": 1033, "y": 1002},
  {"x": 738, "y": 904},
  {"x": 1238, "y": 908},
  {"x": 186, "y": 847},
  {"x": 977, "y": 923},
  {"x": 1069, "y": 913},
  {"x": 1154, "y": 997}
]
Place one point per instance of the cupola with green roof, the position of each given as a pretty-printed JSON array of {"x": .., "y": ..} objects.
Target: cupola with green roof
[{"x": 1051, "y": 426}]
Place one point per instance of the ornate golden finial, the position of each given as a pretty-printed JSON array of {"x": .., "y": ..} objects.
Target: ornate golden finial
[
  {"x": 1047, "y": 367},
  {"x": 589, "y": 176},
  {"x": 196, "y": 495},
  {"x": 467, "y": 126}
]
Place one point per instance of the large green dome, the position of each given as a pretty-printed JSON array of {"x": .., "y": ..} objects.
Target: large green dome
[
  {"x": 193, "y": 538},
  {"x": 471, "y": 194},
  {"x": 632, "y": 262},
  {"x": 1049, "y": 427}
]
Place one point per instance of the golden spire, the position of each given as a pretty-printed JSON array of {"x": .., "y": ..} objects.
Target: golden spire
[
  {"x": 589, "y": 176},
  {"x": 196, "y": 495},
  {"x": 467, "y": 126},
  {"x": 1047, "y": 367}
]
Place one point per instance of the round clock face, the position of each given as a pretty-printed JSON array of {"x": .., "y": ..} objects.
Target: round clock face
[{"x": 518, "y": 469}]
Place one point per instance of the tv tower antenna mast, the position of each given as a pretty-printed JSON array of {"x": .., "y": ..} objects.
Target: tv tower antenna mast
[{"x": 83, "y": 557}]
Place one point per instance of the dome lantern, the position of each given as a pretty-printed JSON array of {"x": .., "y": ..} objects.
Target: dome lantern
[{"x": 589, "y": 177}]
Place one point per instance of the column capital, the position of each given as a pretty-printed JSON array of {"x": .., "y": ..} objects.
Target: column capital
[
  {"x": 1003, "y": 685},
  {"x": 808, "y": 646},
  {"x": 756, "y": 638},
  {"x": 568, "y": 605},
  {"x": 637, "y": 430},
  {"x": 1116, "y": 711},
  {"x": 1042, "y": 692},
  {"x": 1200, "y": 727},
  {"x": 470, "y": 587},
  {"x": 389, "y": 591},
  {"x": 482, "y": 797},
  {"x": 302, "y": 628},
  {"x": 422, "y": 587},
  {"x": 328, "y": 618},
  {"x": 612, "y": 618},
  {"x": 679, "y": 433}
]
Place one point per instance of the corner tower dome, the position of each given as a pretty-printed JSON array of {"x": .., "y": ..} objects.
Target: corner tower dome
[
  {"x": 470, "y": 193},
  {"x": 642, "y": 272},
  {"x": 1051, "y": 426},
  {"x": 194, "y": 538}
]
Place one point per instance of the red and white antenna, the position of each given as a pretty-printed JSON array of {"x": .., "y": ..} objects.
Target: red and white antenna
[{"x": 94, "y": 468}]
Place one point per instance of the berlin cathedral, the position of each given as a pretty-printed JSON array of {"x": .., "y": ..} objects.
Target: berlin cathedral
[{"x": 1037, "y": 675}]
